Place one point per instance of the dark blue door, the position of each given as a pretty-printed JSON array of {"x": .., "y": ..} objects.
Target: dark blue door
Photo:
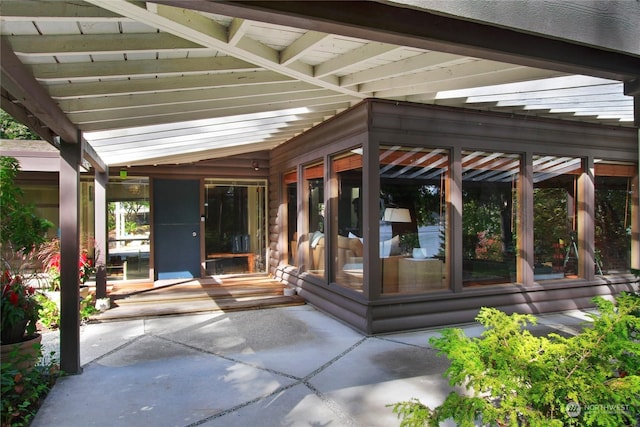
[{"x": 176, "y": 226}]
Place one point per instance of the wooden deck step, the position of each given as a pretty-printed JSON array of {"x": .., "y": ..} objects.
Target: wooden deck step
[
  {"x": 136, "y": 311},
  {"x": 200, "y": 293},
  {"x": 248, "y": 292}
]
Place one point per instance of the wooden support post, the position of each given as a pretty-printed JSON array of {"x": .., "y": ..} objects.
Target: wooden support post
[
  {"x": 100, "y": 206},
  {"x": 70, "y": 158}
]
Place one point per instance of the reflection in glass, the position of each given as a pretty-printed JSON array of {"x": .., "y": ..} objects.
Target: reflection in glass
[
  {"x": 413, "y": 219},
  {"x": 347, "y": 241},
  {"x": 129, "y": 229},
  {"x": 555, "y": 217},
  {"x": 234, "y": 226},
  {"x": 613, "y": 195},
  {"x": 315, "y": 256},
  {"x": 291, "y": 190},
  {"x": 489, "y": 217}
]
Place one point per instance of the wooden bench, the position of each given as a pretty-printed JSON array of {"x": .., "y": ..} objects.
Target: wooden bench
[
  {"x": 117, "y": 268},
  {"x": 248, "y": 255}
]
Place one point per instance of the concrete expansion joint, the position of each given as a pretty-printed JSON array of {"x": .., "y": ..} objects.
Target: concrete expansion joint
[
  {"x": 401, "y": 342},
  {"x": 345, "y": 419},
  {"x": 115, "y": 350}
]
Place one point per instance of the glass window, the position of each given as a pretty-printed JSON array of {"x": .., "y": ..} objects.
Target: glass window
[
  {"x": 87, "y": 218},
  {"x": 45, "y": 199},
  {"x": 234, "y": 226},
  {"x": 555, "y": 216},
  {"x": 413, "y": 219},
  {"x": 347, "y": 242},
  {"x": 489, "y": 217},
  {"x": 315, "y": 255},
  {"x": 290, "y": 181},
  {"x": 613, "y": 195},
  {"x": 129, "y": 229}
]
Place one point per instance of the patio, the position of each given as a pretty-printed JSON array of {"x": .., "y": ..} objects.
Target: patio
[{"x": 293, "y": 366}]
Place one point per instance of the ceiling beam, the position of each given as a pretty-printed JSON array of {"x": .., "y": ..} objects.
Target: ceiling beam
[
  {"x": 24, "y": 116},
  {"x": 19, "y": 82},
  {"x": 419, "y": 28},
  {"x": 56, "y": 11},
  {"x": 301, "y": 46},
  {"x": 197, "y": 28},
  {"x": 632, "y": 88},
  {"x": 165, "y": 84},
  {"x": 77, "y": 71},
  {"x": 95, "y": 44},
  {"x": 352, "y": 58}
]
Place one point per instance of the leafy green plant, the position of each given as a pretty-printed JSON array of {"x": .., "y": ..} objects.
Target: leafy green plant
[
  {"x": 49, "y": 312},
  {"x": 23, "y": 390},
  {"x": 12, "y": 129},
  {"x": 513, "y": 378},
  {"x": 87, "y": 307},
  {"x": 21, "y": 230}
]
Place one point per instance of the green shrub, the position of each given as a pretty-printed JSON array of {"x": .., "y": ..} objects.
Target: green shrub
[
  {"x": 513, "y": 378},
  {"x": 87, "y": 307},
  {"x": 23, "y": 390},
  {"x": 49, "y": 312}
]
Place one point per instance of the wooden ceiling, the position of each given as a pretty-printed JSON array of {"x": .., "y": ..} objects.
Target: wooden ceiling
[{"x": 152, "y": 83}]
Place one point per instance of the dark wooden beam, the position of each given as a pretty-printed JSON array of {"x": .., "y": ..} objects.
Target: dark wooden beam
[
  {"x": 24, "y": 116},
  {"x": 27, "y": 101},
  {"x": 632, "y": 88},
  {"x": 418, "y": 28},
  {"x": 96, "y": 161},
  {"x": 25, "y": 90}
]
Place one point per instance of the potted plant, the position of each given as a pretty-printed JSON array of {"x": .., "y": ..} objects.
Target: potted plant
[
  {"x": 21, "y": 233},
  {"x": 19, "y": 309}
]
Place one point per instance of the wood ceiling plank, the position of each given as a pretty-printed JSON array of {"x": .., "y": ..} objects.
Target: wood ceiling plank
[
  {"x": 143, "y": 68},
  {"x": 208, "y": 105},
  {"x": 182, "y": 96},
  {"x": 167, "y": 84},
  {"x": 428, "y": 92},
  {"x": 364, "y": 53},
  {"x": 93, "y": 44},
  {"x": 422, "y": 62},
  {"x": 178, "y": 116},
  {"x": 197, "y": 28},
  {"x": 57, "y": 11}
]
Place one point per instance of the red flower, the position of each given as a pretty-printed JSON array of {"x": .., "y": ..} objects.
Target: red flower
[
  {"x": 13, "y": 298},
  {"x": 54, "y": 262}
]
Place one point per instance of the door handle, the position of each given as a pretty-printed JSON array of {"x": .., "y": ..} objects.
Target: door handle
[{"x": 194, "y": 234}]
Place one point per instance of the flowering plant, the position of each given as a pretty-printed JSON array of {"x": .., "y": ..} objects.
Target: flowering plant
[
  {"x": 85, "y": 267},
  {"x": 49, "y": 254},
  {"x": 19, "y": 309}
]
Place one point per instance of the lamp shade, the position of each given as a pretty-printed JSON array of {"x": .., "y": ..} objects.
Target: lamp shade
[{"x": 397, "y": 215}]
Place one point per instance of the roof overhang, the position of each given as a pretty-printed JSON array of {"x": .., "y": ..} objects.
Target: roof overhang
[{"x": 173, "y": 81}]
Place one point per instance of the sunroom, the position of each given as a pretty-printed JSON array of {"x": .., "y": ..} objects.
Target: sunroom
[{"x": 395, "y": 216}]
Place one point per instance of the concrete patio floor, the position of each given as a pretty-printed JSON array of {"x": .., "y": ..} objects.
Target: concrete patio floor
[{"x": 292, "y": 366}]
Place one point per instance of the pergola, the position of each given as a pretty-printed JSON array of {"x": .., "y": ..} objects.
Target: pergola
[{"x": 117, "y": 83}]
